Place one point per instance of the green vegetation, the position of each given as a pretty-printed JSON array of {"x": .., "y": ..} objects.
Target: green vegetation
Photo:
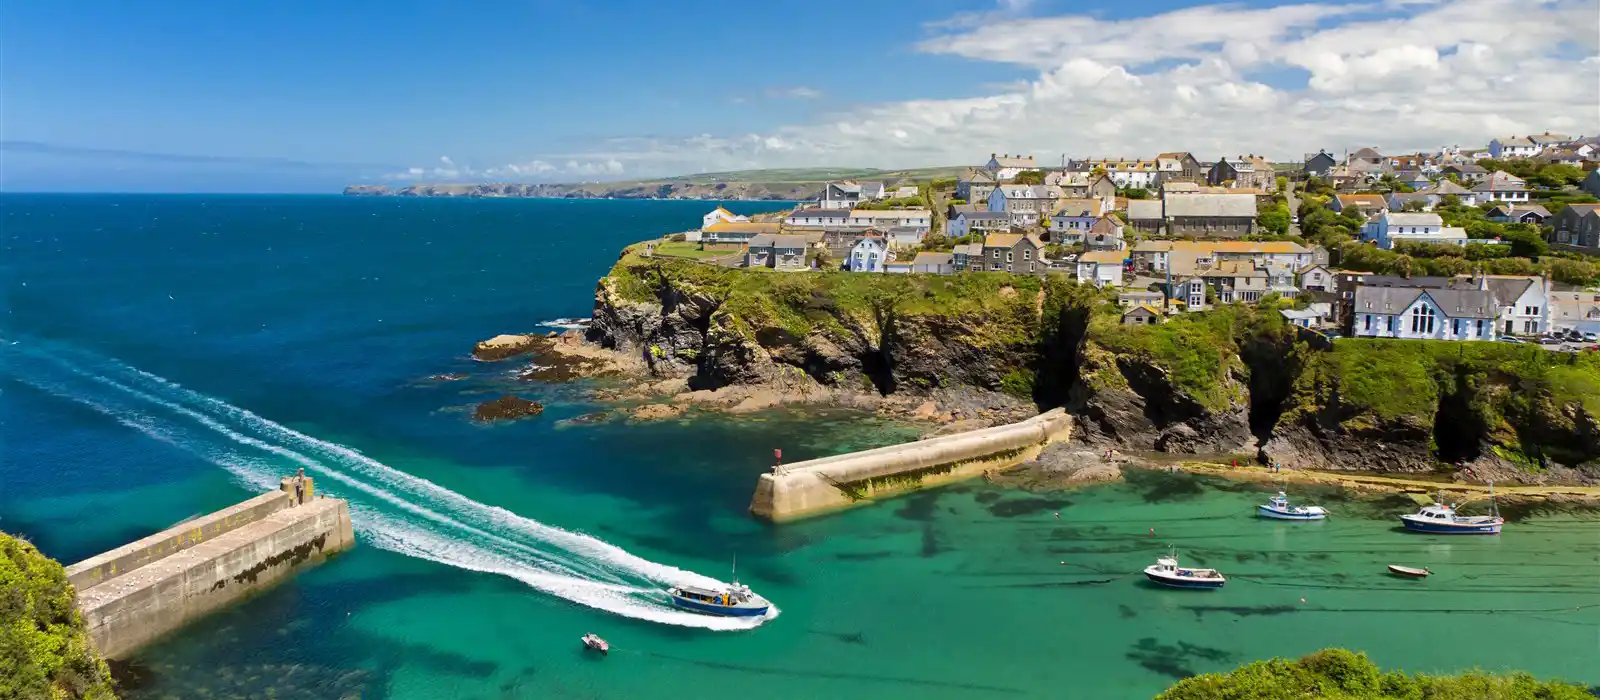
[
  {"x": 1029, "y": 177},
  {"x": 1337, "y": 674},
  {"x": 1199, "y": 351},
  {"x": 897, "y": 203},
  {"x": 1274, "y": 219},
  {"x": 682, "y": 249},
  {"x": 1551, "y": 175},
  {"x": 44, "y": 650}
]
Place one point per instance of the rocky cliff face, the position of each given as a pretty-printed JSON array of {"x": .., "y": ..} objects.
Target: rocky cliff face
[{"x": 1229, "y": 382}]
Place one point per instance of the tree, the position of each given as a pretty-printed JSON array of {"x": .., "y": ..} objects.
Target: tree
[
  {"x": 1030, "y": 177},
  {"x": 1274, "y": 219},
  {"x": 1338, "y": 673},
  {"x": 1557, "y": 175},
  {"x": 1525, "y": 240},
  {"x": 1134, "y": 192}
]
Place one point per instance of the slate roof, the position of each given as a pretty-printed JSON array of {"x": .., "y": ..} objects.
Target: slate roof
[
  {"x": 985, "y": 215},
  {"x": 968, "y": 249},
  {"x": 1015, "y": 161},
  {"x": 812, "y": 213},
  {"x": 1366, "y": 153},
  {"x": 1105, "y": 226},
  {"x": 927, "y": 258},
  {"x": 1413, "y": 219},
  {"x": 768, "y": 240},
  {"x": 978, "y": 176},
  {"x": 741, "y": 227},
  {"x": 1500, "y": 181},
  {"x": 1103, "y": 257},
  {"x": 1515, "y": 141},
  {"x": 1235, "y": 247},
  {"x": 1444, "y": 187},
  {"x": 1454, "y": 303},
  {"x": 1211, "y": 205},
  {"x": 1144, "y": 209},
  {"x": 1080, "y": 206}
]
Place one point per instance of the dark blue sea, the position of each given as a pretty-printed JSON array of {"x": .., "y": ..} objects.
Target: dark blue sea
[{"x": 166, "y": 356}]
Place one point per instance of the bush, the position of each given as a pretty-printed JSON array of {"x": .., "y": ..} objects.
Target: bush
[
  {"x": 1337, "y": 673},
  {"x": 44, "y": 650}
]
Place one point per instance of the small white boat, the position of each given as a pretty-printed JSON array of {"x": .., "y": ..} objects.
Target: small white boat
[
  {"x": 1409, "y": 571},
  {"x": 1278, "y": 508},
  {"x": 593, "y": 642},
  {"x": 1166, "y": 572}
]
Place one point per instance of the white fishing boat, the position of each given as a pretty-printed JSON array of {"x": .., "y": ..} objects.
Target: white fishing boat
[
  {"x": 1278, "y": 508},
  {"x": 1442, "y": 519},
  {"x": 736, "y": 600},
  {"x": 1166, "y": 572},
  {"x": 593, "y": 642}
]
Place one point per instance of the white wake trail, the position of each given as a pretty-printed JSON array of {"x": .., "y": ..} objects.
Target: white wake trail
[{"x": 448, "y": 528}]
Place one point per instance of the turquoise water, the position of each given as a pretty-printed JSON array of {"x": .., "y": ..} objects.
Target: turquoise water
[{"x": 167, "y": 356}]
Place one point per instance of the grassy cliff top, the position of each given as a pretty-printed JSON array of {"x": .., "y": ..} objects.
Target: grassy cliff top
[
  {"x": 1338, "y": 674},
  {"x": 44, "y": 650}
]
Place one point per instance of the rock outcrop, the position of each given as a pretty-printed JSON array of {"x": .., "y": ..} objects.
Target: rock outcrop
[
  {"x": 502, "y": 347},
  {"x": 507, "y": 407}
]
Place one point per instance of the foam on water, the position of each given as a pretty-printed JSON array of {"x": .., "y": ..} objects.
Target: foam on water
[{"x": 390, "y": 508}]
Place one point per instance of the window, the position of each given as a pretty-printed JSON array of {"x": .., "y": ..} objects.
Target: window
[
  {"x": 1455, "y": 326},
  {"x": 1369, "y": 322},
  {"x": 1389, "y": 321},
  {"x": 1030, "y": 267},
  {"x": 1027, "y": 255},
  {"x": 1481, "y": 330},
  {"x": 1530, "y": 327},
  {"x": 1422, "y": 320},
  {"x": 996, "y": 255}
]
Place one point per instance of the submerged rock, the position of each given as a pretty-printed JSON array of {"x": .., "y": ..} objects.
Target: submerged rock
[
  {"x": 507, "y": 407},
  {"x": 657, "y": 411}
]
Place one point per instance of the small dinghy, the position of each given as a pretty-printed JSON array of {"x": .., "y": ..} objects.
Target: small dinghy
[
  {"x": 1278, "y": 508},
  {"x": 1166, "y": 572},
  {"x": 1408, "y": 571},
  {"x": 593, "y": 642}
]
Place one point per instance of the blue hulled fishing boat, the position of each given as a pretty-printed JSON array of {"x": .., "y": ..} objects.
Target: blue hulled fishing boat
[
  {"x": 1166, "y": 572},
  {"x": 1442, "y": 519},
  {"x": 735, "y": 601}
]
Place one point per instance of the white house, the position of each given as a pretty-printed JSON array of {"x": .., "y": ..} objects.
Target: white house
[
  {"x": 1101, "y": 268},
  {"x": 1423, "y": 314},
  {"x": 814, "y": 217},
  {"x": 872, "y": 190},
  {"x": 1501, "y": 186},
  {"x": 1524, "y": 302},
  {"x": 903, "y": 192},
  {"x": 906, "y": 236},
  {"x": 1579, "y": 310},
  {"x": 1005, "y": 167},
  {"x": 720, "y": 215},
  {"x": 1315, "y": 277},
  {"x": 869, "y": 255},
  {"x": 1421, "y": 227},
  {"x": 840, "y": 195},
  {"x": 1512, "y": 147},
  {"x": 885, "y": 218},
  {"x": 1125, "y": 173}
]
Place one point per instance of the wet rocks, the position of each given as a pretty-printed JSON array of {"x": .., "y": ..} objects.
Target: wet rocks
[
  {"x": 657, "y": 411},
  {"x": 507, "y": 346},
  {"x": 507, "y": 407}
]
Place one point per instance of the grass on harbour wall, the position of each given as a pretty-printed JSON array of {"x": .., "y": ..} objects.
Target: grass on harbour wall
[
  {"x": 1337, "y": 674},
  {"x": 44, "y": 650}
]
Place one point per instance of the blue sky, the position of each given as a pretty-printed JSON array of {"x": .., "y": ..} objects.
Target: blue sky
[{"x": 308, "y": 96}]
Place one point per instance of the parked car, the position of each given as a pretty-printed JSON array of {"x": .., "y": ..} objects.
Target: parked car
[
  {"x": 1551, "y": 340},
  {"x": 1509, "y": 339},
  {"x": 1591, "y": 337}
]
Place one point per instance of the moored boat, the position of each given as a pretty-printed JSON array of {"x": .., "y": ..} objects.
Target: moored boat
[
  {"x": 1278, "y": 508},
  {"x": 593, "y": 642},
  {"x": 1409, "y": 571},
  {"x": 1442, "y": 519},
  {"x": 1166, "y": 572}
]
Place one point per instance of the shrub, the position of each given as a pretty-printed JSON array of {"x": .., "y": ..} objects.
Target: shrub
[
  {"x": 44, "y": 650},
  {"x": 1337, "y": 673}
]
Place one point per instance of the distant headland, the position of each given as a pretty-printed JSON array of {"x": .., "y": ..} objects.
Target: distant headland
[{"x": 782, "y": 184}]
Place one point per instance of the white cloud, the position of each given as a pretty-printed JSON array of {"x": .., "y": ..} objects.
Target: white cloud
[
  {"x": 800, "y": 92},
  {"x": 1215, "y": 79}
]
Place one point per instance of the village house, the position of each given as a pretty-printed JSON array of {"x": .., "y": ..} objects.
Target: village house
[
  {"x": 1101, "y": 268},
  {"x": 1591, "y": 182},
  {"x": 1105, "y": 234},
  {"x": 734, "y": 233},
  {"x": 1512, "y": 147},
  {"x": 1390, "y": 227},
  {"x": 1577, "y": 226},
  {"x": 817, "y": 217},
  {"x": 1072, "y": 183},
  {"x": 1415, "y": 179},
  {"x": 1518, "y": 214},
  {"x": 1123, "y": 172},
  {"x": 1185, "y": 257},
  {"x": 1466, "y": 172},
  {"x": 1369, "y": 161},
  {"x": 1430, "y": 197},
  {"x": 1562, "y": 155},
  {"x": 932, "y": 263},
  {"x": 1209, "y": 215},
  {"x": 1315, "y": 278},
  {"x": 1179, "y": 166},
  {"x": 1424, "y": 314},
  {"x": 969, "y": 222},
  {"x": 1363, "y": 204},
  {"x": 1071, "y": 219},
  {"x": 1141, "y": 316},
  {"x": 870, "y": 254},
  {"x": 1140, "y": 297},
  {"x": 1245, "y": 172},
  {"x": 967, "y": 257},
  {"x": 840, "y": 195},
  {"x": 891, "y": 218},
  {"x": 1189, "y": 291},
  {"x": 903, "y": 192},
  {"x": 1013, "y": 252},
  {"x": 1522, "y": 302},
  {"x": 1247, "y": 281},
  {"x": 1146, "y": 216},
  {"x": 1005, "y": 168},
  {"x": 975, "y": 185},
  {"x": 779, "y": 252},
  {"x": 1548, "y": 140},
  {"x": 897, "y": 268},
  {"x": 1304, "y": 318},
  {"x": 1025, "y": 203},
  {"x": 1102, "y": 187},
  {"x": 721, "y": 215},
  {"x": 1501, "y": 187},
  {"x": 871, "y": 191},
  {"x": 1577, "y": 310},
  {"x": 1319, "y": 164}
]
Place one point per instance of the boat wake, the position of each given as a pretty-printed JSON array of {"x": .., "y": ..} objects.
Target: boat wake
[{"x": 390, "y": 508}]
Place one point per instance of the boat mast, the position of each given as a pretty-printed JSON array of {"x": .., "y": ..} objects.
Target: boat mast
[{"x": 1494, "y": 508}]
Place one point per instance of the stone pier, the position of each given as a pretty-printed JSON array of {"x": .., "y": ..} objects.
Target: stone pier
[
  {"x": 138, "y": 592},
  {"x": 818, "y": 486}
]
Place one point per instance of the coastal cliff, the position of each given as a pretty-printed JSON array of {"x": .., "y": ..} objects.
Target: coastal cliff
[{"x": 1237, "y": 381}]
